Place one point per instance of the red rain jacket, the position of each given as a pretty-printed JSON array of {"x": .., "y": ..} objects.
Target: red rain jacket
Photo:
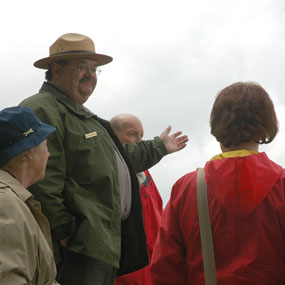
[
  {"x": 247, "y": 211},
  {"x": 152, "y": 211}
]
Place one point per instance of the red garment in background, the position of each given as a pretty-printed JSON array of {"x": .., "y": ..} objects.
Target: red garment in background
[
  {"x": 247, "y": 211},
  {"x": 152, "y": 211}
]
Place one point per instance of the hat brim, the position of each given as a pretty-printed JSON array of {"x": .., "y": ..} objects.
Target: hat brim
[
  {"x": 32, "y": 140},
  {"x": 100, "y": 59}
]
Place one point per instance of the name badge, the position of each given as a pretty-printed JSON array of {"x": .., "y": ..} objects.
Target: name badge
[{"x": 90, "y": 135}]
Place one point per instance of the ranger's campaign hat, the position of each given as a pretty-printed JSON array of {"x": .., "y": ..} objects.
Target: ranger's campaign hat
[
  {"x": 72, "y": 46},
  {"x": 20, "y": 129}
]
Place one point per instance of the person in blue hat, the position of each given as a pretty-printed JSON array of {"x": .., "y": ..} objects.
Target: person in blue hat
[{"x": 25, "y": 245}]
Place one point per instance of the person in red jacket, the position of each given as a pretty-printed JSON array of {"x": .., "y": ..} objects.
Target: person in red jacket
[
  {"x": 129, "y": 129},
  {"x": 246, "y": 192}
]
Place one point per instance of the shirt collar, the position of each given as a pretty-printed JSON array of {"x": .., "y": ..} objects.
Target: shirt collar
[
  {"x": 8, "y": 180},
  {"x": 65, "y": 100},
  {"x": 235, "y": 153}
]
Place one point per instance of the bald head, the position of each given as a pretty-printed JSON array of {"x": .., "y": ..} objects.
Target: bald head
[{"x": 127, "y": 127}]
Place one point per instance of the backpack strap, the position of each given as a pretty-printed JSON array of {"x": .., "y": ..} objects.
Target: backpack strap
[{"x": 205, "y": 229}]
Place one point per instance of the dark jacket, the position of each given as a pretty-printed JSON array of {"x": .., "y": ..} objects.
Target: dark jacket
[{"x": 80, "y": 192}]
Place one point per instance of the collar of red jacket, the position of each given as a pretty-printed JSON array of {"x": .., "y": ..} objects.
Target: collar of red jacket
[{"x": 241, "y": 180}]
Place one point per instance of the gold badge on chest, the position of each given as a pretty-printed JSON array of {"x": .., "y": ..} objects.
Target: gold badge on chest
[{"x": 90, "y": 135}]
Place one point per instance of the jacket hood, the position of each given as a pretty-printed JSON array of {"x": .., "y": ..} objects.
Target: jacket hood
[{"x": 240, "y": 184}]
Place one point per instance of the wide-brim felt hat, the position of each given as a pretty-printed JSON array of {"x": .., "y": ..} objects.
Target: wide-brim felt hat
[
  {"x": 20, "y": 129},
  {"x": 72, "y": 46}
]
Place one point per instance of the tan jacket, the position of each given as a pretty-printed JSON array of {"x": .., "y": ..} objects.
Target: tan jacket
[{"x": 25, "y": 246}]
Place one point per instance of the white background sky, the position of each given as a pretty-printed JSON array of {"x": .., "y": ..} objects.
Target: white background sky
[{"x": 170, "y": 60}]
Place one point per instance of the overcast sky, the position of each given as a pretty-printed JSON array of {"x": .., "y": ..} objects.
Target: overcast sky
[{"x": 170, "y": 60}]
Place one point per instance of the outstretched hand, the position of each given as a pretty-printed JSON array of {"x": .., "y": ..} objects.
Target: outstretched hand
[{"x": 174, "y": 142}]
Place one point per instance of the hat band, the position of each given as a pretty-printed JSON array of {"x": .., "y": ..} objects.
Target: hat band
[
  {"x": 23, "y": 135},
  {"x": 73, "y": 51}
]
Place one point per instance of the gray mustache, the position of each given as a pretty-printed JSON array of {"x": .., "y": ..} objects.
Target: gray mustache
[{"x": 86, "y": 80}]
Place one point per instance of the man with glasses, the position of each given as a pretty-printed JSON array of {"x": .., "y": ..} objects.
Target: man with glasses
[{"x": 96, "y": 234}]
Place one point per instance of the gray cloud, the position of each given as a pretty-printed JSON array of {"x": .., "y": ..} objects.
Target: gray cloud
[{"x": 170, "y": 60}]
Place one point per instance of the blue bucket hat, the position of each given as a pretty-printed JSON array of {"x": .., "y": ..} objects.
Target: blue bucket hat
[{"x": 20, "y": 129}]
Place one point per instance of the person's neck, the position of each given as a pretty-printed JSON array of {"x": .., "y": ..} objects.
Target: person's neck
[
  {"x": 55, "y": 86},
  {"x": 251, "y": 146},
  {"x": 21, "y": 175}
]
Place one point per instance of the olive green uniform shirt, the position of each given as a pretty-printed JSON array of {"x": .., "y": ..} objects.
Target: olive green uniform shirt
[{"x": 80, "y": 193}]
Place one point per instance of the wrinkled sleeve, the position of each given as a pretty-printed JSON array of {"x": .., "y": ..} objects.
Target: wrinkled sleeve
[
  {"x": 49, "y": 191},
  {"x": 17, "y": 247},
  {"x": 168, "y": 263},
  {"x": 145, "y": 154}
]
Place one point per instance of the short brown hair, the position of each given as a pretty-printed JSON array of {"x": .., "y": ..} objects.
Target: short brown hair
[
  {"x": 48, "y": 73},
  {"x": 243, "y": 112}
]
